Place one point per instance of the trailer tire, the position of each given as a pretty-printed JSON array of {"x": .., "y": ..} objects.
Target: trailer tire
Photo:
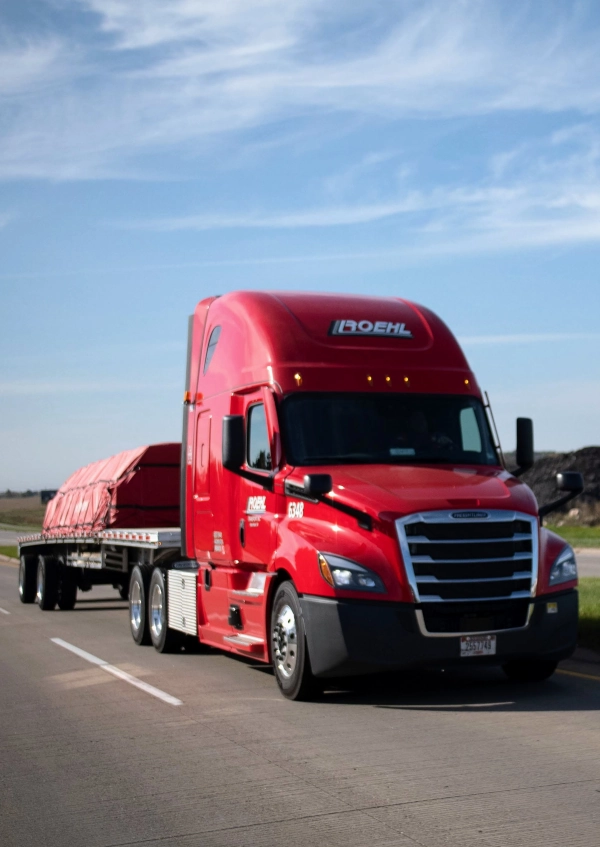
[
  {"x": 529, "y": 670},
  {"x": 67, "y": 591},
  {"x": 165, "y": 640},
  {"x": 289, "y": 651},
  {"x": 47, "y": 583},
  {"x": 138, "y": 604},
  {"x": 27, "y": 578}
]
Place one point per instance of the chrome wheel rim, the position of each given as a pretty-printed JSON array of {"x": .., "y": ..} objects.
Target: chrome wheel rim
[
  {"x": 135, "y": 606},
  {"x": 156, "y": 612},
  {"x": 285, "y": 642},
  {"x": 40, "y": 583}
]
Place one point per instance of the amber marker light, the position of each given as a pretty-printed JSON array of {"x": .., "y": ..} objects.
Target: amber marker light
[
  {"x": 187, "y": 397},
  {"x": 325, "y": 572},
  {"x": 406, "y": 381},
  {"x": 369, "y": 379},
  {"x": 298, "y": 378},
  {"x": 388, "y": 379},
  {"x": 467, "y": 383}
]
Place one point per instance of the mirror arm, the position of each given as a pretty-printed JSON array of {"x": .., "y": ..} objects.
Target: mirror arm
[
  {"x": 265, "y": 481},
  {"x": 297, "y": 491},
  {"x": 550, "y": 507},
  {"x": 521, "y": 470}
]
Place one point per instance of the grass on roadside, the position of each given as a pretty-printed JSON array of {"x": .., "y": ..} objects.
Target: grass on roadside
[
  {"x": 589, "y": 612},
  {"x": 579, "y": 536},
  {"x": 11, "y": 552}
]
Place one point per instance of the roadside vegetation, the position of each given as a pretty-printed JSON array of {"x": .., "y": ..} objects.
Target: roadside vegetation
[
  {"x": 589, "y": 612},
  {"x": 11, "y": 552},
  {"x": 21, "y": 513},
  {"x": 578, "y": 536}
]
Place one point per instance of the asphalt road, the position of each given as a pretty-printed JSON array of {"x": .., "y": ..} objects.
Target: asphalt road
[{"x": 424, "y": 760}]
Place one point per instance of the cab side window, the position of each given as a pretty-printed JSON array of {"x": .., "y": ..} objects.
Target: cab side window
[
  {"x": 259, "y": 449},
  {"x": 210, "y": 349}
]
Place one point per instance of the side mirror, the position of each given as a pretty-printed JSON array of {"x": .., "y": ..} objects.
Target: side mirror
[
  {"x": 525, "y": 454},
  {"x": 234, "y": 445},
  {"x": 569, "y": 481},
  {"x": 317, "y": 484}
]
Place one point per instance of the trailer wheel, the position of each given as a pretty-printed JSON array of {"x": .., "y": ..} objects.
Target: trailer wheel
[
  {"x": 67, "y": 592},
  {"x": 27, "y": 578},
  {"x": 47, "y": 583},
  {"x": 289, "y": 652},
  {"x": 529, "y": 670},
  {"x": 138, "y": 604},
  {"x": 165, "y": 640}
]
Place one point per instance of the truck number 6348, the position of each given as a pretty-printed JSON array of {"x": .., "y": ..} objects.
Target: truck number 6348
[{"x": 295, "y": 510}]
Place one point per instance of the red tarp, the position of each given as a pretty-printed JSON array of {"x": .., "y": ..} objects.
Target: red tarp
[{"x": 138, "y": 489}]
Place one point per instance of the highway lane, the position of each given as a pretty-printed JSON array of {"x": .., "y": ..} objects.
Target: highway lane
[
  {"x": 9, "y": 537},
  {"x": 460, "y": 758},
  {"x": 588, "y": 562}
]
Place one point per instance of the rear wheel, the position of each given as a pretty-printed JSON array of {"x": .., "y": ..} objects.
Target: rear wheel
[
  {"x": 529, "y": 670},
  {"x": 165, "y": 640},
  {"x": 289, "y": 652},
  {"x": 47, "y": 583},
  {"x": 67, "y": 591},
  {"x": 138, "y": 604},
  {"x": 27, "y": 578}
]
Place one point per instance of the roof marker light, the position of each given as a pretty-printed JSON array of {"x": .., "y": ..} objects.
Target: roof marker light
[
  {"x": 298, "y": 378},
  {"x": 406, "y": 380},
  {"x": 388, "y": 379},
  {"x": 467, "y": 382},
  {"x": 369, "y": 379}
]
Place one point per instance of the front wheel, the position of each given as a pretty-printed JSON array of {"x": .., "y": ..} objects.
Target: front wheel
[
  {"x": 529, "y": 670},
  {"x": 165, "y": 640},
  {"x": 289, "y": 652}
]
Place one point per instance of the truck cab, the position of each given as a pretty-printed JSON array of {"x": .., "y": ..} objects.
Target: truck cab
[{"x": 345, "y": 501}]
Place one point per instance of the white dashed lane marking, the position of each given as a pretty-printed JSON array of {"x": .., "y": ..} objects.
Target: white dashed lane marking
[
  {"x": 4, "y": 612},
  {"x": 126, "y": 677}
]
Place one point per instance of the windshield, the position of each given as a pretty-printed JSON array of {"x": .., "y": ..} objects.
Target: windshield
[{"x": 338, "y": 428}]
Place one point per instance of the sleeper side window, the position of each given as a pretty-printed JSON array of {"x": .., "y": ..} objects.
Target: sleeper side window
[
  {"x": 259, "y": 449},
  {"x": 210, "y": 350}
]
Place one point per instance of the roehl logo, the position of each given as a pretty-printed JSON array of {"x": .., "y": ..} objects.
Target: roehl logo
[
  {"x": 377, "y": 328},
  {"x": 256, "y": 504},
  {"x": 467, "y": 516}
]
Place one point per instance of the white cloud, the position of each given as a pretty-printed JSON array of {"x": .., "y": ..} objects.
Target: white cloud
[{"x": 158, "y": 75}]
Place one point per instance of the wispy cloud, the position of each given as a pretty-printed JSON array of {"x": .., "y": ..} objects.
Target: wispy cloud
[{"x": 178, "y": 75}]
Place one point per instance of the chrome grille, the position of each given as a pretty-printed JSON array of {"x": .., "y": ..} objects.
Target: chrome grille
[{"x": 452, "y": 558}]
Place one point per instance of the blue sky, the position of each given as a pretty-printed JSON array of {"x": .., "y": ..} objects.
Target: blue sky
[{"x": 154, "y": 153}]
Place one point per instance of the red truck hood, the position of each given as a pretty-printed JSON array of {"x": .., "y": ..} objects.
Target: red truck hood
[{"x": 404, "y": 489}]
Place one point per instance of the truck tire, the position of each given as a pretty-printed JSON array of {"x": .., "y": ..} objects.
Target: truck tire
[
  {"x": 67, "y": 591},
  {"x": 529, "y": 670},
  {"x": 165, "y": 640},
  {"x": 138, "y": 604},
  {"x": 27, "y": 578},
  {"x": 289, "y": 652},
  {"x": 47, "y": 583}
]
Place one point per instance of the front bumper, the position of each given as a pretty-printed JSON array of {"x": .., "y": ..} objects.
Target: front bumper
[{"x": 349, "y": 638}]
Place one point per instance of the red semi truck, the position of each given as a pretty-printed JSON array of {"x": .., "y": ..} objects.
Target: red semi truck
[{"x": 344, "y": 505}]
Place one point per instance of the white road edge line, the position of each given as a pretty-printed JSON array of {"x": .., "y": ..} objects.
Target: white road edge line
[
  {"x": 126, "y": 677},
  {"x": 4, "y": 612}
]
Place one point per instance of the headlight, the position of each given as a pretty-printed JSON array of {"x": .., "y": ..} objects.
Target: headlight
[
  {"x": 343, "y": 573},
  {"x": 564, "y": 568}
]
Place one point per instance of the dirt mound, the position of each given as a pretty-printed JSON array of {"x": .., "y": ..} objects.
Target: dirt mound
[{"x": 585, "y": 509}]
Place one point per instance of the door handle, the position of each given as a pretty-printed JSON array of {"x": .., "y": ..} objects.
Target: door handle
[{"x": 243, "y": 532}]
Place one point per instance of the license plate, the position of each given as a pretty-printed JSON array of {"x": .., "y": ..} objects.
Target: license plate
[{"x": 478, "y": 645}]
